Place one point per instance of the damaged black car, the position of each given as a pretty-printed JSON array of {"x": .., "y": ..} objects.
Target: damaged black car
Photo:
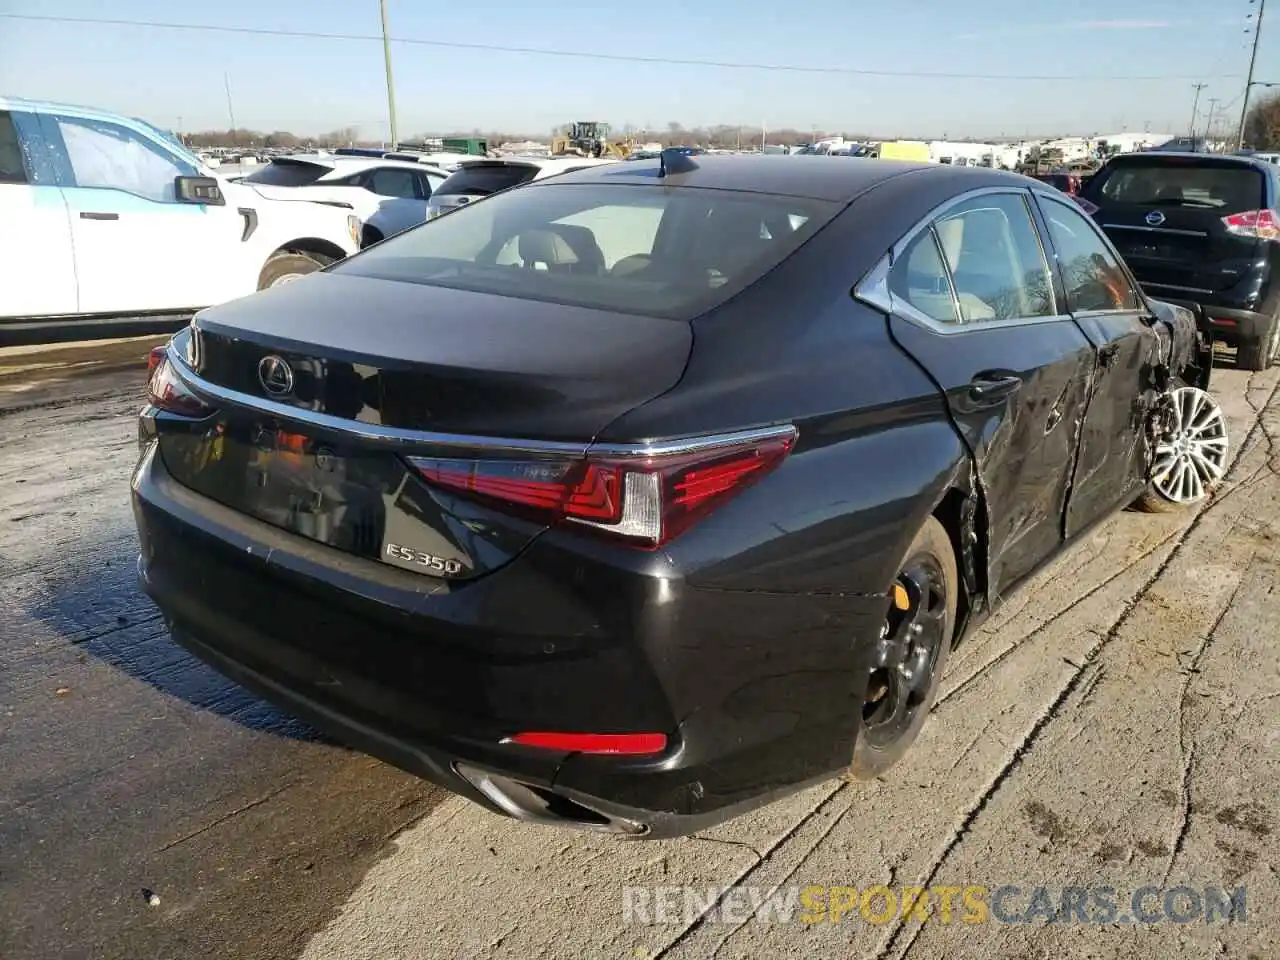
[{"x": 635, "y": 498}]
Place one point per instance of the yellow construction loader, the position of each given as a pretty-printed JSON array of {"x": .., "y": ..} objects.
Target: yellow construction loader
[{"x": 590, "y": 138}]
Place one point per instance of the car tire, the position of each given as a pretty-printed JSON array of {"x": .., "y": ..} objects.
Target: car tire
[
  {"x": 930, "y": 562},
  {"x": 1206, "y": 455},
  {"x": 282, "y": 268},
  {"x": 1261, "y": 353}
]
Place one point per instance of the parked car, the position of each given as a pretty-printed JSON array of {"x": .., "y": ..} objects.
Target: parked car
[
  {"x": 387, "y": 195},
  {"x": 1066, "y": 182},
  {"x": 475, "y": 179},
  {"x": 109, "y": 221},
  {"x": 635, "y": 537},
  {"x": 1200, "y": 230}
]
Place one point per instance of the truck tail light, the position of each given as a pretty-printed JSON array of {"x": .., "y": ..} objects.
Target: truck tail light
[{"x": 1263, "y": 224}]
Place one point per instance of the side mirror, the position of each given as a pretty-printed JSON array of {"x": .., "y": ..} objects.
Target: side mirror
[{"x": 198, "y": 190}]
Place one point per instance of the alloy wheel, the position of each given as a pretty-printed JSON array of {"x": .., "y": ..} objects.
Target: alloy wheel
[
  {"x": 907, "y": 652},
  {"x": 1191, "y": 456}
]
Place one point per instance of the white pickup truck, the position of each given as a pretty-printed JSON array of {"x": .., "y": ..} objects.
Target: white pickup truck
[{"x": 109, "y": 221}]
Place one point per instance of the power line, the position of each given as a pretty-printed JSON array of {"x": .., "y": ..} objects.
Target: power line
[{"x": 591, "y": 55}]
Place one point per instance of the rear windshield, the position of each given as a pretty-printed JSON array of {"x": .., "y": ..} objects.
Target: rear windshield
[
  {"x": 287, "y": 174},
  {"x": 634, "y": 249},
  {"x": 484, "y": 179},
  {"x": 1228, "y": 188}
]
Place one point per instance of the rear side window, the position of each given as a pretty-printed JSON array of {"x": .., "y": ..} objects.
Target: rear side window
[
  {"x": 993, "y": 253},
  {"x": 277, "y": 174},
  {"x": 480, "y": 180},
  {"x": 12, "y": 169},
  {"x": 394, "y": 182},
  {"x": 650, "y": 250},
  {"x": 1224, "y": 188}
]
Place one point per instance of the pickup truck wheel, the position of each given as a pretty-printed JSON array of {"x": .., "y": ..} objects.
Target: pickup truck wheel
[
  {"x": 910, "y": 653},
  {"x": 1191, "y": 451},
  {"x": 285, "y": 268}
]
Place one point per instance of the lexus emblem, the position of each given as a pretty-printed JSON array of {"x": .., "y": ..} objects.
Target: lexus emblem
[
  {"x": 1155, "y": 218},
  {"x": 275, "y": 375}
]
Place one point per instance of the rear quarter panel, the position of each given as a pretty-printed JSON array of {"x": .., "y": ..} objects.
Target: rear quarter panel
[{"x": 876, "y": 450}]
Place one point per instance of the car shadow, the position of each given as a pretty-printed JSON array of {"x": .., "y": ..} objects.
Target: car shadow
[{"x": 103, "y": 613}]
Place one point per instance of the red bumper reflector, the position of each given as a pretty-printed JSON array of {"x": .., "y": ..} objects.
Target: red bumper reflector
[
  {"x": 616, "y": 744},
  {"x": 1222, "y": 321}
]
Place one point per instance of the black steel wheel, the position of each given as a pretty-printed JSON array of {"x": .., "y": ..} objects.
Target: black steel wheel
[{"x": 909, "y": 655}]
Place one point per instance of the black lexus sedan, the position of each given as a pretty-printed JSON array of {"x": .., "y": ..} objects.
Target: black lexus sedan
[{"x": 637, "y": 497}]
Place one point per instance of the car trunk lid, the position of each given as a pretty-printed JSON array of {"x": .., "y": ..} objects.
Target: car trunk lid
[{"x": 317, "y": 405}]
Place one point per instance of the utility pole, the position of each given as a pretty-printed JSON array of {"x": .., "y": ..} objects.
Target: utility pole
[
  {"x": 226, "y": 82},
  {"x": 1195, "y": 104},
  {"x": 1208, "y": 123},
  {"x": 391, "y": 91},
  {"x": 1248, "y": 83}
]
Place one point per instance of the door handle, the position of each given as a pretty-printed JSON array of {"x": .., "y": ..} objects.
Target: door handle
[
  {"x": 990, "y": 389},
  {"x": 96, "y": 215},
  {"x": 1107, "y": 354}
]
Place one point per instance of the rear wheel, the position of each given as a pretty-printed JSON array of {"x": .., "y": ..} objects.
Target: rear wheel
[
  {"x": 1261, "y": 353},
  {"x": 284, "y": 268},
  {"x": 1191, "y": 451},
  {"x": 910, "y": 653}
]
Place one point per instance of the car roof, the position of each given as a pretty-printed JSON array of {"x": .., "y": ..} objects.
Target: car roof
[{"x": 814, "y": 177}]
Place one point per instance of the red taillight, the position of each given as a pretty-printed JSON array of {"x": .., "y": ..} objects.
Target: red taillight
[
  {"x": 649, "y": 498},
  {"x": 1085, "y": 205},
  {"x": 1263, "y": 224},
  {"x": 615, "y": 744},
  {"x": 167, "y": 392},
  {"x": 154, "y": 357}
]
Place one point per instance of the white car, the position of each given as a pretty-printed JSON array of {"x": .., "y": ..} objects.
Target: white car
[
  {"x": 365, "y": 185},
  {"x": 480, "y": 177},
  {"x": 107, "y": 219}
]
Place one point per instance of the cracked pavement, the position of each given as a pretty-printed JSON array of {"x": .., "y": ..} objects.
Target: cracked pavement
[{"x": 1117, "y": 723}]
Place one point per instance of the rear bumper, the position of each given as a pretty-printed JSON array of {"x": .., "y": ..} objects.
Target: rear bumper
[
  {"x": 1229, "y": 325},
  {"x": 758, "y": 693}
]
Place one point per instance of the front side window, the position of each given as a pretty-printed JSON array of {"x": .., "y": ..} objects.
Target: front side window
[
  {"x": 995, "y": 260},
  {"x": 1094, "y": 279},
  {"x": 108, "y": 155},
  {"x": 636, "y": 249}
]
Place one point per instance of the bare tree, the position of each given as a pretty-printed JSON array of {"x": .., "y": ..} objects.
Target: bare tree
[{"x": 1262, "y": 125}]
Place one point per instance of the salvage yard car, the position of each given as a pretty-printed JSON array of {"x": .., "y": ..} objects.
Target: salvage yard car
[
  {"x": 635, "y": 535},
  {"x": 388, "y": 195},
  {"x": 108, "y": 221},
  {"x": 1203, "y": 231}
]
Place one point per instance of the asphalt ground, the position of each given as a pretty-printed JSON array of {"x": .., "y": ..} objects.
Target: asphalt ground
[{"x": 1117, "y": 726}]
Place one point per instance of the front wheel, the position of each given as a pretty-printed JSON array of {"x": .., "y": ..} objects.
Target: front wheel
[
  {"x": 910, "y": 653},
  {"x": 284, "y": 268},
  {"x": 1191, "y": 451}
]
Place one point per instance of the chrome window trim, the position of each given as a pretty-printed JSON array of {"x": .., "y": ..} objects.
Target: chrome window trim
[
  {"x": 1170, "y": 230},
  {"x": 874, "y": 291},
  {"x": 502, "y": 446},
  {"x": 1174, "y": 286}
]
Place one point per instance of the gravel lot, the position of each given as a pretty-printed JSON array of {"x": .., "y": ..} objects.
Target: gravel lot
[{"x": 1118, "y": 724}]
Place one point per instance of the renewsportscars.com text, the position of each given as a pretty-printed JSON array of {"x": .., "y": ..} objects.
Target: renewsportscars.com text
[{"x": 971, "y": 904}]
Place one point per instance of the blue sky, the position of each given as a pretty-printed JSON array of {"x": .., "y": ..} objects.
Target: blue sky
[{"x": 310, "y": 85}]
